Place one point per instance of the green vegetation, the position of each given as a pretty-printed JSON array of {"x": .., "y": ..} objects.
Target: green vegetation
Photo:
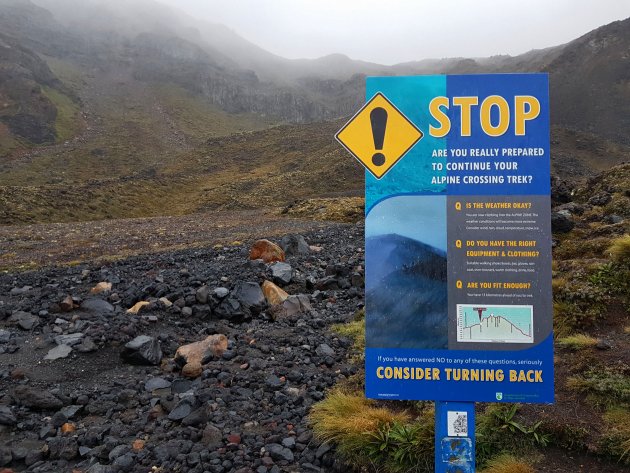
[
  {"x": 369, "y": 435},
  {"x": 355, "y": 331},
  {"x": 499, "y": 431},
  {"x": 68, "y": 122},
  {"x": 616, "y": 440},
  {"x": 620, "y": 250},
  {"x": 605, "y": 386},
  {"x": 578, "y": 341},
  {"x": 507, "y": 464}
]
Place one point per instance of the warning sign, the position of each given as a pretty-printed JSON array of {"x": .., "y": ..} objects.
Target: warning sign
[{"x": 379, "y": 135}]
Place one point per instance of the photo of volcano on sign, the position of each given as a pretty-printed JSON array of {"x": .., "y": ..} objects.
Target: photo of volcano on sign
[
  {"x": 495, "y": 323},
  {"x": 405, "y": 276}
]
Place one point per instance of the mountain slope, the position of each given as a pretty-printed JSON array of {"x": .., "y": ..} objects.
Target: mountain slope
[{"x": 590, "y": 83}]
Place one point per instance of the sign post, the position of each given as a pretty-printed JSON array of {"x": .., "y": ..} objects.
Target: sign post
[{"x": 458, "y": 245}]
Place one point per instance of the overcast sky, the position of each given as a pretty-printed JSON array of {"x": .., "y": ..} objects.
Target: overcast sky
[{"x": 393, "y": 31}]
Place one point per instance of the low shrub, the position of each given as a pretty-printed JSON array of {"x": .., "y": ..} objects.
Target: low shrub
[{"x": 507, "y": 464}]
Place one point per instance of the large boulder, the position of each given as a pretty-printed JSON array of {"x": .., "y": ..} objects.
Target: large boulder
[
  {"x": 561, "y": 223},
  {"x": 250, "y": 296},
  {"x": 203, "y": 351},
  {"x": 142, "y": 350},
  {"x": 293, "y": 305},
  {"x": 266, "y": 251},
  {"x": 273, "y": 294},
  {"x": 281, "y": 273},
  {"x": 294, "y": 245}
]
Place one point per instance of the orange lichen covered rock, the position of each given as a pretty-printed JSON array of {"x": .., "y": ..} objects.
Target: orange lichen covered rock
[{"x": 266, "y": 251}]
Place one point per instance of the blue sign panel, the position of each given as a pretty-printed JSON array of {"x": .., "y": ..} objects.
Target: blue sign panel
[{"x": 458, "y": 242}]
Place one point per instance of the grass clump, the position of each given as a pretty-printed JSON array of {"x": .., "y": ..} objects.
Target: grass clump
[
  {"x": 604, "y": 386},
  {"x": 507, "y": 464},
  {"x": 368, "y": 435},
  {"x": 578, "y": 341},
  {"x": 619, "y": 250},
  {"x": 355, "y": 331},
  {"x": 616, "y": 441}
]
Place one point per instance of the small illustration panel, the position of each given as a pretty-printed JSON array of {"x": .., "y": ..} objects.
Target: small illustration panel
[{"x": 495, "y": 323}]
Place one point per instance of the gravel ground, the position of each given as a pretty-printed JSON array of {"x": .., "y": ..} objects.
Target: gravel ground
[{"x": 90, "y": 410}]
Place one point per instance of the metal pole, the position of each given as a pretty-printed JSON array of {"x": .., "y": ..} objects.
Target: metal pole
[{"x": 454, "y": 437}]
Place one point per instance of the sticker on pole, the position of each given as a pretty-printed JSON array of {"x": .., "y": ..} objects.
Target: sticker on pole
[{"x": 379, "y": 135}]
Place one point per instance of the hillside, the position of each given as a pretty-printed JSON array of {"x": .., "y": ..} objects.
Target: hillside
[{"x": 110, "y": 113}]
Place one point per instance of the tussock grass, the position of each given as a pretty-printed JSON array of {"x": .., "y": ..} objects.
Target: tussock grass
[
  {"x": 616, "y": 440},
  {"x": 346, "y": 416},
  {"x": 578, "y": 341},
  {"x": 507, "y": 464},
  {"x": 370, "y": 436},
  {"x": 619, "y": 250}
]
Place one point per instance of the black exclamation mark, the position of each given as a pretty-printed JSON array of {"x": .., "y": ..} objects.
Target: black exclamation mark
[{"x": 378, "y": 117}]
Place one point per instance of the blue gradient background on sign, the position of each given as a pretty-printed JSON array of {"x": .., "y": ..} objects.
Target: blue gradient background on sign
[
  {"x": 412, "y": 174},
  {"x": 537, "y": 132}
]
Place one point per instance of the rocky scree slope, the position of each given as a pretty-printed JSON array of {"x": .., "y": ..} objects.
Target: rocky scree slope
[{"x": 69, "y": 402}]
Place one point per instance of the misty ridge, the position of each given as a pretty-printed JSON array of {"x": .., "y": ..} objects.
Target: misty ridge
[{"x": 159, "y": 43}]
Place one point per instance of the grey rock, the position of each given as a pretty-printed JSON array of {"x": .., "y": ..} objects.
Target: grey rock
[
  {"x": 212, "y": 437},
  {"x": 202, "y": 294},
  {"x": 288, "y": 442},
  {"x": 220, "y": 292},
  {"x": 60, "y": 351},
  {"x": 279, "y": 453},
  {"x": 294, "y": 245},
  {"x": 71, "y": 411},
  {"x": 561, "y": 223},
  {"x": 98, "y": 468},
  {"x": 70, "y": 339},
  {"x": 229, "y": 308},
  {"x": 18, "y": 291},
  {"x": 24, "y": 320},
  {"x": 281, "y": 273},
  {"x": 142, "y": 350},
  {"x": 196, "y": 418},
  {"x": 36, "y": 399},
  {"x": 6, "y": 457},
  {"x": 250, "y": 296},
  {"x": 156, "y": 383},
  {"x": 613, "y": 219},
  {"x": 181, "y": 410},
  {"x": 187, "y": 311},
  {"x": 324, "y": 350},
  {"x": 58, "y": 419},
  {"x": 83, "y": 451},
  {"x": 323, "y": 450},
  {"x": 600, "y": 199},
  {"x": 6, "y": 416},
  {"x": 97, "y": 305},
  {"x": 87, "y": 345},
  {"x": 65, "y": 448},
  {"x": 295, "y": 304},
  {"x": 5, "y": 336}
]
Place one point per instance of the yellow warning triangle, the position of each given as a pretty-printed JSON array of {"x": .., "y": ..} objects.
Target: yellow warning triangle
[{"x": 379, "y": 135}]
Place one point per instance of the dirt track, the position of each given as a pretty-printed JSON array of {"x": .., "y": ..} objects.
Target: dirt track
[{"x": 30, "y": 246}]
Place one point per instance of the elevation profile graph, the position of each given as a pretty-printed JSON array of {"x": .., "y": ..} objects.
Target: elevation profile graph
[{"x": 495, "y": 323}]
